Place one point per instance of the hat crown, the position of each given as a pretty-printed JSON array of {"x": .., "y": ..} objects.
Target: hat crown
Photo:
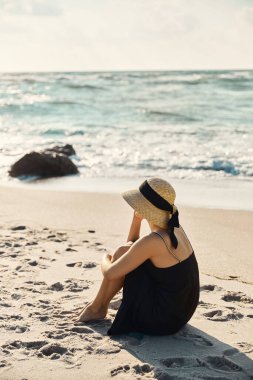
[
  {"x": 163, "y": 188},
  {"x": 145, "y": 206}
]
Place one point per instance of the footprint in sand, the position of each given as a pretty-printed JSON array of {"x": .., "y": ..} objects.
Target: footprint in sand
[
  {"x": 82, "y": 330},
  {"x": 3, "y": 363},
  {"x": 222, "y": 363},
  {"x": 89, "y": 264},
  {"x": 196, "y": 339},
  {"x": 18, "y": 329},
  {"x": 69, "y": 249},
  {"x": 73, "y": 286},
  {"x": 52, "y": 350},
  {"x": 219, "y": 315},
  {"x": 16, "y": 296},
  {"x": 183, "y": 362},
  {"x": 58, "y": 334},
  {"x": 210, "y": 288},
  {"x": 5, "y": 304},
  {"x": 107, "y": 349},
  {"x": 16, "y": 317},
  {"x": 216, "y": 363},
  {"x": 43, "y": 318},
  {"x": 76, "y": 264},
  {"x": 236, "y": 296},
  {"x": 245, "y": 347},
  {"x": 18, "y": 228},
  {"x": 142, "y": 369},
  {"x": 122, "y": 368},
  {"x": 80, "y": 264},
  {"x": 57, "y": 286},
  {"x": 30, "y": 345},
  {"x": 133, "y": 339}
]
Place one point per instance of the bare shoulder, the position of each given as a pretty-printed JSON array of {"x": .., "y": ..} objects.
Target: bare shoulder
[{"x": 146, "y": 241}]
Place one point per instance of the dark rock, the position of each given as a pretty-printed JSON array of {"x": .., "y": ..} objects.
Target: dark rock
[
  {"x": 67, "y": 150},
  {"x": 44, "y": 165}
]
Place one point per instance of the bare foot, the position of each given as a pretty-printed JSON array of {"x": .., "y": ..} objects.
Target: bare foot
[
  {"x": 91, "y": 314},
  {"x": 82, "y": 310}
]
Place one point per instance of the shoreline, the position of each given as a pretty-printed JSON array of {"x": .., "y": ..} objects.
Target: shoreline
[{"x": 227, "y": 193}]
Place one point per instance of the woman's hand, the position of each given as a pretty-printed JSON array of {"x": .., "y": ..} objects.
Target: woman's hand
[
  {"x": 134, "y": 232},
  {"x": 138, "y": 216}
]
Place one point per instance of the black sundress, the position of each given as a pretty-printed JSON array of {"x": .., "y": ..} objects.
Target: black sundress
[{"x": 158, "y": 300}]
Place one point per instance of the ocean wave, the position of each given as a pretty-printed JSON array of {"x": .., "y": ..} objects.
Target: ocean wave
[
  {"x": 23, "y": 100},
  {"x": 170, "y": 115},
  {"x": 63, "y": 102},
  {"x": 236, "y": 75},
  {"x": 77, "y": 132},
  {"x": 178, "y": 82},
  {"x": 216, "y": 165},
  {"x": 220, "y": 165},
  {"x": 62, "y": 132},
  {"x": 107, "y": 76},
  {"x": 84, "y": 86},
  {"x": 53, "y": 131}
]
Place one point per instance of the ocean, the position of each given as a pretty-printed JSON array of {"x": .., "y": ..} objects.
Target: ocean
[{"x": 181, "y": 125}]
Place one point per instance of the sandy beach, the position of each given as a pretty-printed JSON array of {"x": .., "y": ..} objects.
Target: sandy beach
[{"x": 51, "y": 246}]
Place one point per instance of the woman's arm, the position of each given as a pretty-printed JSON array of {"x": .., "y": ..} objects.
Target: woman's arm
[
  {"x": 133, "y": 236},
  {"x": 134, "y": 232},
  {"x": 139, "y": 252}
]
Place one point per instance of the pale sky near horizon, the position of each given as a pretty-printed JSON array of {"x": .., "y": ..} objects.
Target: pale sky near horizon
[{"x": 80, "y": 35}]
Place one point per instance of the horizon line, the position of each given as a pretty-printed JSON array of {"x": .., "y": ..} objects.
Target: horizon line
[{"x": 121, "y": 70}]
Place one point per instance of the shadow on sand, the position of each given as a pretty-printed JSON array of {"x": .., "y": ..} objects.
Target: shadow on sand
[{"x": 187, "y": 355}]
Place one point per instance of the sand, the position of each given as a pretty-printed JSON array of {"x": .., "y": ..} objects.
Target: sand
[{"x": 51, "y": 246}]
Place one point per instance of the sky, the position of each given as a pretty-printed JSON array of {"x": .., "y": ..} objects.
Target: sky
[{"x": 94, "y": 35}]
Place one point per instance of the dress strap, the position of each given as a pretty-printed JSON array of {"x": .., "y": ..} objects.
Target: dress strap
[
  {"x": 167, "y": 245},
  {"x": 186, "y": 237}
]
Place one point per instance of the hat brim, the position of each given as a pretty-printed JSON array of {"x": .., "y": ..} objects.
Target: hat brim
[{"x": 138, "y": 202}]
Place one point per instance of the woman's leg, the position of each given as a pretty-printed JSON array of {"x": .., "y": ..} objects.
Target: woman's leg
[
  {"x": 98, "y": 308},
  {"x": 108, "y": 289}
]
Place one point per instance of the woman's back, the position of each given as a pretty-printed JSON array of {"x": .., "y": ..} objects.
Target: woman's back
[{"x": 166, "y": 255}]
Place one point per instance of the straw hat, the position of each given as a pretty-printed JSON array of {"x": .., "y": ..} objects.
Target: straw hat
[{"x": 146, "y": 207}]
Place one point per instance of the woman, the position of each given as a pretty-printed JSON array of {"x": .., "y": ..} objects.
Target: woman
[{"x": 158, "y": 272}]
